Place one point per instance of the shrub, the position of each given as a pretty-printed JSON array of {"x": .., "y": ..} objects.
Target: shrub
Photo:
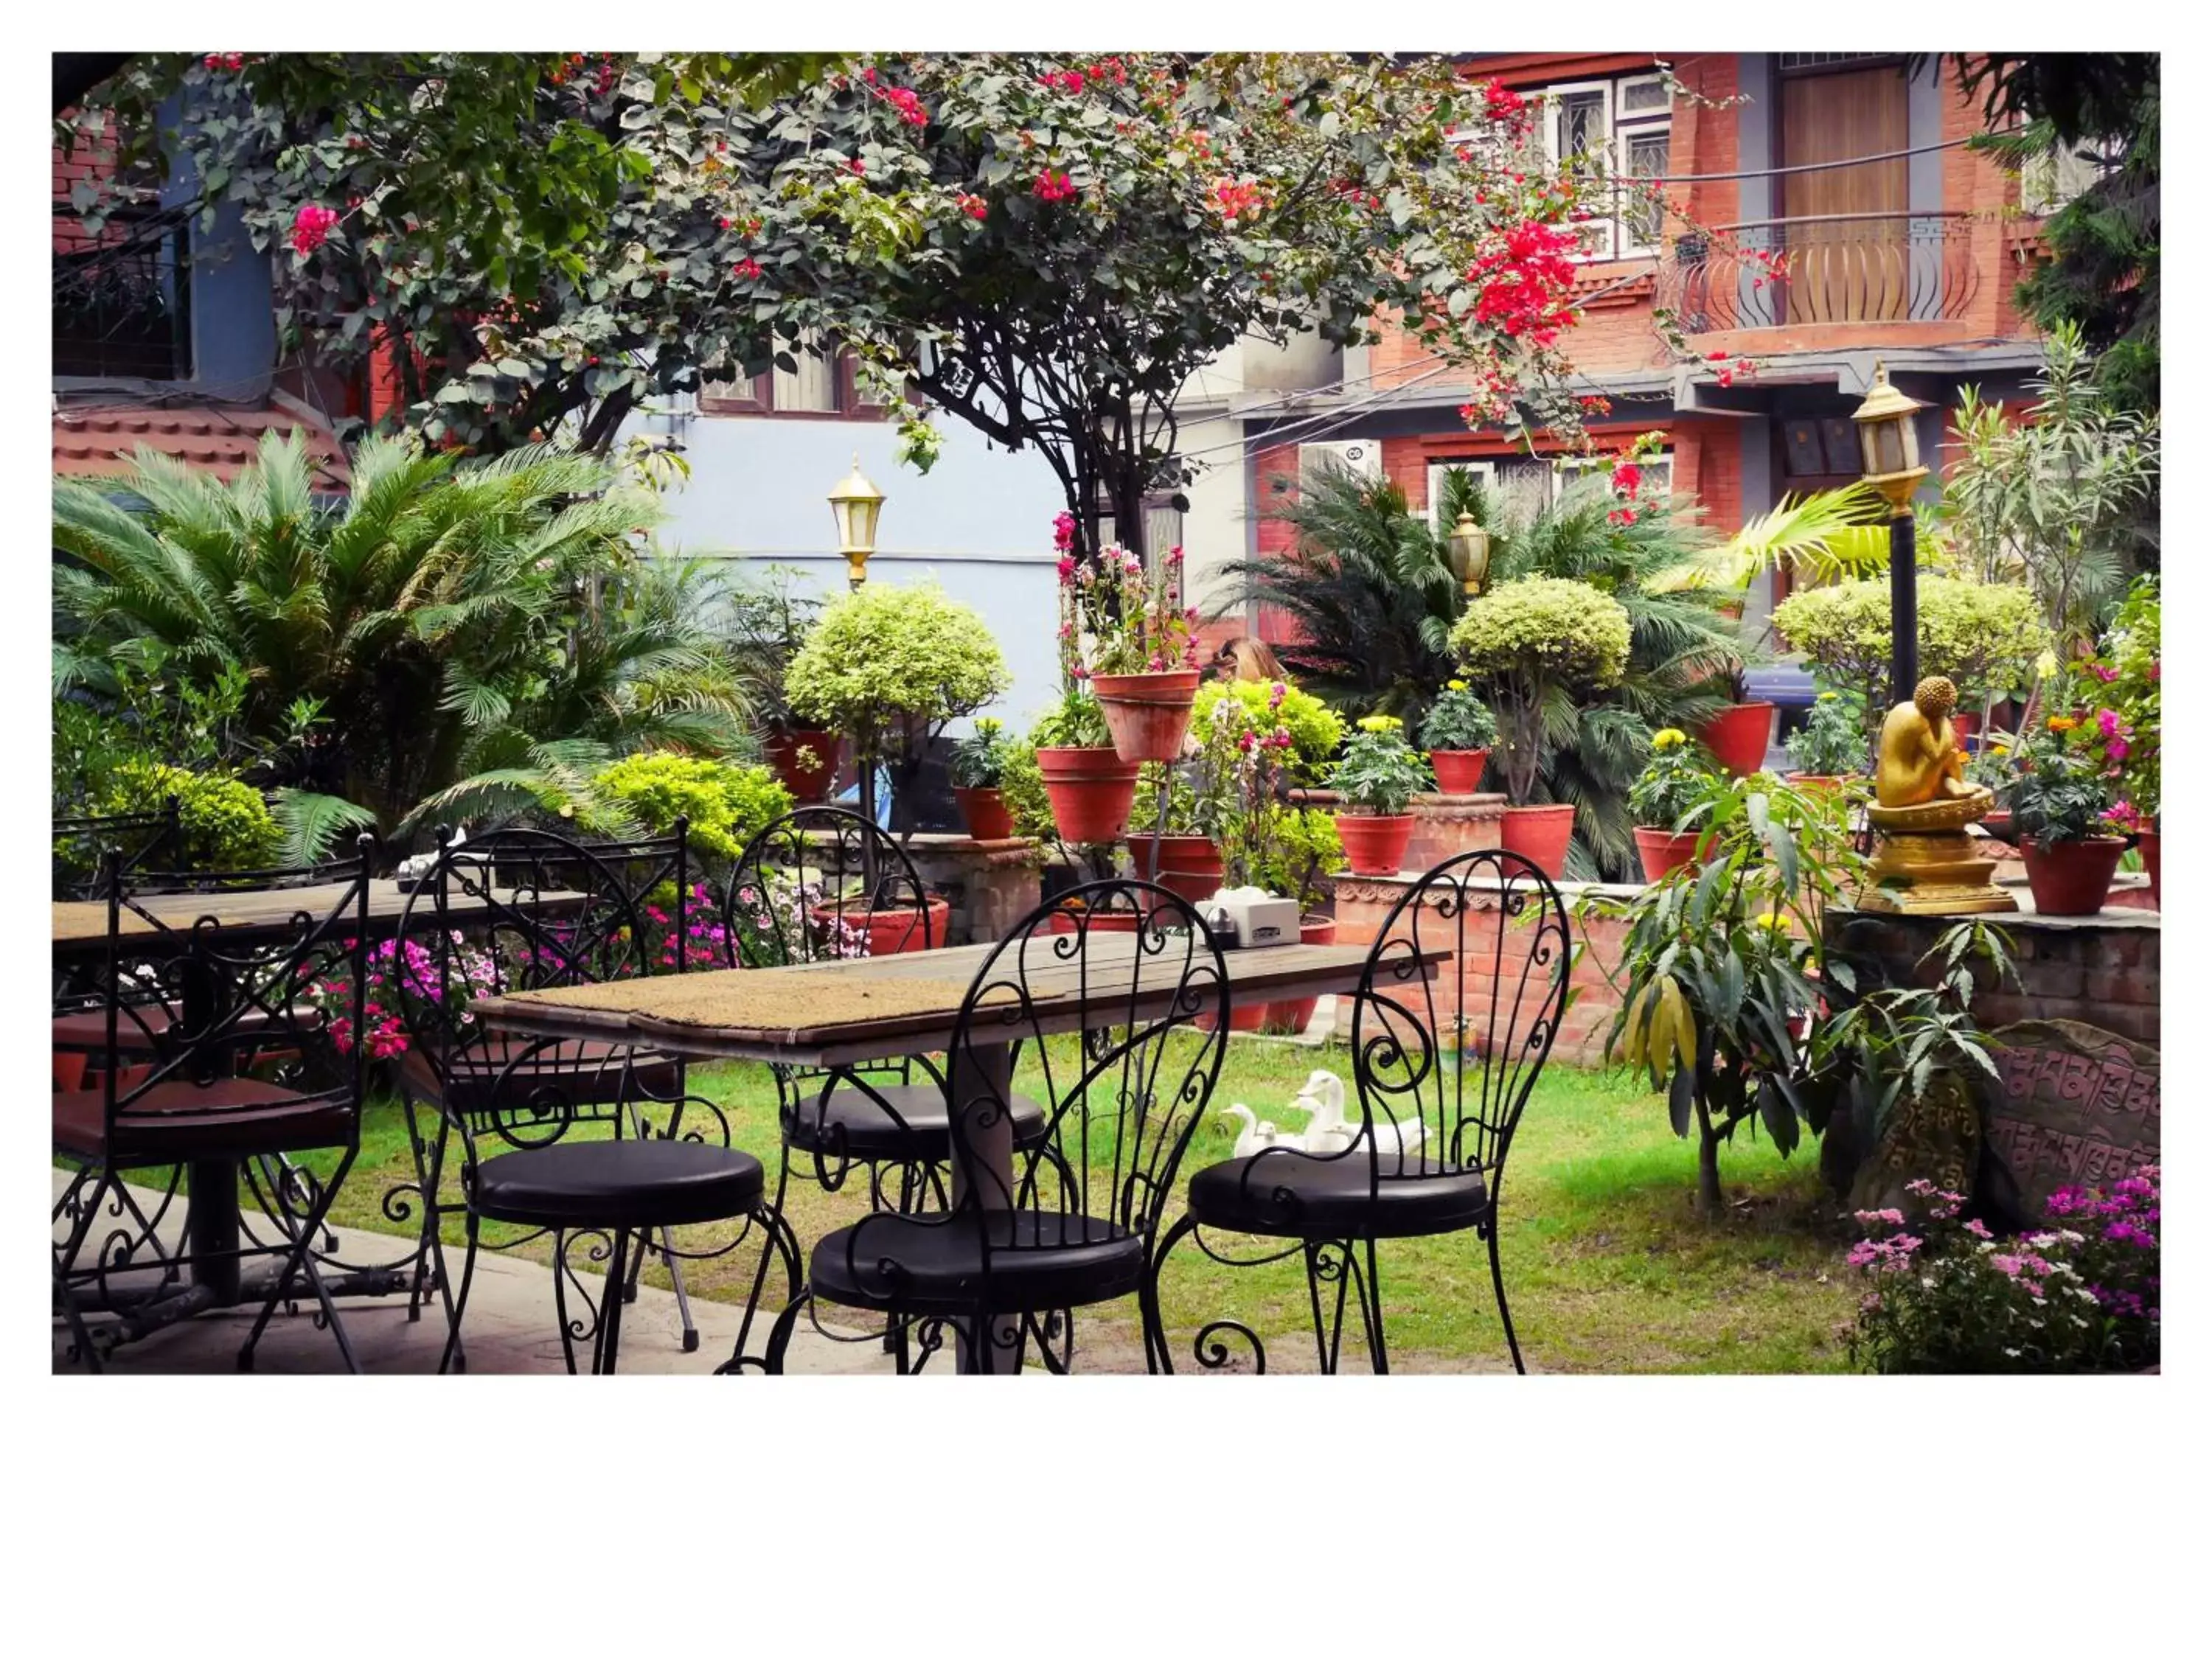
[
  {"x": 223, "y": 824},
  {"x": 1021, "y": 786},
  {"x": 1379, "y": 773},
  {"x": 1676, "y": 779},
  {"x": 1986, "y": 636},
  {"x": 1538, "y": 641},
  {"x": 1316, "y": 729},
  {"x": 1076, "y": 724},
  {"x": 2061, "y": 794},
  {"x": 1300, "y": 851},
  {"x": 980, "y": 758},
  {"x": 726, "y": 805},
  {"x": 1459, "y": 720},
  {"x": 1833, "y": 741}
]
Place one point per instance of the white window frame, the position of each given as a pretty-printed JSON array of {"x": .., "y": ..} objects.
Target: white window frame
[
  {"x": 1485, "y": 470},
  {"x": 1626, "y": 130},
  {"x": 1602, "y": 247},
  {"x": 1565, "y": 470}
]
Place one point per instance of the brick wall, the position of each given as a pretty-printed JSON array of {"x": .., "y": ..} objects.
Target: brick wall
[{"x": 91, "y": 160}]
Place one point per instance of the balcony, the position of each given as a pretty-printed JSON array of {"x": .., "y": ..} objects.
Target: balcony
[{"x": 1823, "y": 269}]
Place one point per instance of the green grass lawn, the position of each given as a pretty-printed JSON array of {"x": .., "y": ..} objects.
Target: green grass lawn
[{"x": 1608, "y": 1265}]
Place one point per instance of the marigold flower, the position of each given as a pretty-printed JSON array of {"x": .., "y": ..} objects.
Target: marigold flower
[{"x": 1669, "y": 737}]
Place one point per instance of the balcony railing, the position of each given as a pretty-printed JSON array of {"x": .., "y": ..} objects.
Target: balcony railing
[
  {"x": 1826, "y": 267},
  {"x": 123, "y": 307}
]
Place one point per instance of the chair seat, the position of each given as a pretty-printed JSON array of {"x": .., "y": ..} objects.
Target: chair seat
[
  {"x": 181, "y": 1119},
  {"x": 907, "y": 1264},
  {"x": 136, "y": 1034},
  {"x": 856, "y": 1119},
  {"x": 618, "y": 1184},
  {"x": 1289, "y": 1195}
]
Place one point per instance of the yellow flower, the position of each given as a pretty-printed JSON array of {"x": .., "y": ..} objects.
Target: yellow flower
[
  {"x": 1827, "y": 696},
  {"x": 2062, "y": 722},
  {"x": 1666, "y": 737},
  {"x": 1456, "y": 686},
  {"x": 1380, "y": 724}
]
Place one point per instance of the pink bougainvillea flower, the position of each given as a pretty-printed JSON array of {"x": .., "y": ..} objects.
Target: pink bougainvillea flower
[{"x": 311, "y": 226}]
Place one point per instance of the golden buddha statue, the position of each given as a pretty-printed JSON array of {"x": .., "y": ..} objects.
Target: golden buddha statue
[{"x": 1926, "y": 864}]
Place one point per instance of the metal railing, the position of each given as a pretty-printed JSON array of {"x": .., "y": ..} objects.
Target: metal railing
[
  {"x": 1825, "y": 268},
  {"x": 123, "y": 307}
]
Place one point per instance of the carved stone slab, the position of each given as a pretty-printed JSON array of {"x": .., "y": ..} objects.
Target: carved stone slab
[{"x": 2074, "y": 1105}]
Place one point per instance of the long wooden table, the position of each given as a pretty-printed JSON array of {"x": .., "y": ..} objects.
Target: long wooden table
[{"x": 750, "y": 1014}]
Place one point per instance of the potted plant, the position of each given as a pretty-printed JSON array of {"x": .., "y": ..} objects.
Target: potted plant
[
  {"x": 2059, "y": 807},
  {"x": 1090, "y": 785},
  {"x": 1534, "y": 641},
  {"x": 1138, "y": 639},
  {"x": 2121, "y": 686},
  {"x": 1458, "y": 732},
  {"x": 1833, "y": 745},
  {"x": 979, "y": 765},
  {"x": 1379, "y": 774},
  {"x": 1673, "y": 785},
  {"x": 767, "y": 624},
  {"x": 1736, "y": 736}
]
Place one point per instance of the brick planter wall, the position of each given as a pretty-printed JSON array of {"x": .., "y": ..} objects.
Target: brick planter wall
[
  {"x": 992, "y": 885},
  {"x": 1443, "y": 825}
]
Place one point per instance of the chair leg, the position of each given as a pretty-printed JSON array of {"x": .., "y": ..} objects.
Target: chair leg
[
  {"x": 1156, "y": 1358},
  {"x": 1329, "y": 1263},
  {"x": 779, "y": 1336},
  {"x": 66, "y": 1256},
  {"x": 453, "y": 1359},
  {"x": 429, "y": 1166},
  {"x": 606, "y": 1346},
  {"x": 300, "y": 1258},
  {"x": 777, "y": 1229},
  {"x": 1497, "y": 1282},
  {"x": 1371, "y": 1312}
]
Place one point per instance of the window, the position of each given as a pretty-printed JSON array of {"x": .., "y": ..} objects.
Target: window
[
  {"x": 2050, "y": 180},
  {"x": 1568, "y": 474},
  {"x": 122, "y": 306},
  {"x": 1520, "y": 486},
  {"x": 1820, "y": 447},
  {"x": 818, "y": 383},
  {"x": 1623, "y": 127}
]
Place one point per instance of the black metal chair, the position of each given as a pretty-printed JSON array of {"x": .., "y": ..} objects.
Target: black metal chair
[
  {"x": 244, "y": 1059},
  {"x": 87, "y": 853},
  {"x": 526, "y": 910},
  {"x": 1076, "y": 1225},
  {"x": 1434, "y": 1120}
]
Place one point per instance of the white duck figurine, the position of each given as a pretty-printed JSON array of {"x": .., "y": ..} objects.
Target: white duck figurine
[
  {"x": 1327, "y": 1130},
  {"x": 1259, "y": 1134}
]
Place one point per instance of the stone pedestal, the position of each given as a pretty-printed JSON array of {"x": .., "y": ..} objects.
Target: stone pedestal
[{"x": 992, "y": 885}]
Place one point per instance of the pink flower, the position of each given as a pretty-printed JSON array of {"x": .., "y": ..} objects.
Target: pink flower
[
  {"x": 1875, "y": 1218},
  {"x": 1052, "y": 186},
  {"x": 2108, "y": 723},
  {"x": 2108, "y": 675},
  {"x": 311, "y": 226},
  {"x": 1975, "y": 1228}
]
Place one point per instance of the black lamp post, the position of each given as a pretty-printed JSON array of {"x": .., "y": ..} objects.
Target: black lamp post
[{"x": 1889, "y": 455}]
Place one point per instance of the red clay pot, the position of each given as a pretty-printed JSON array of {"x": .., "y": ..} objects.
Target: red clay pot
[
  {"x": 805, "y": 783},
  {"x": 1375, "y": 843},
  {"x": 1966, "y": 726},
  {"x": 2147, "y": 844},
  {"x": 1090, "y": 791},
  {"x": 1662, "y": 850},
  {"x": 1459, "y": 772},
  {"x": 1287, "y": 1019},
  {"x": 1825, "y": 783},
  {"x": 1148, "y": 714},
  {"x": 984, "y": 812},
  {"x": 1737, "y": 737},
  {"x": 2071, "y": 878},
  {"x": 894, "y": 929},
  {"x": 1539, "y": 834},
  {"x": 1190, "y": 865},
  {"x": 1106, "y": 922}
]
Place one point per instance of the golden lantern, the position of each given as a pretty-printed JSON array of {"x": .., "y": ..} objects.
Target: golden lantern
[
  {"x": 1469, "y": 546},
  {"x": 1889, "y": 447},
  {"x": 857, "y": 505}
]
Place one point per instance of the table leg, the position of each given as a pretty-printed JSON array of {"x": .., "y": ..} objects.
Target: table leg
[
  {"x": 211, "y": 1227},
  {"x": 992, "y": 1148}
]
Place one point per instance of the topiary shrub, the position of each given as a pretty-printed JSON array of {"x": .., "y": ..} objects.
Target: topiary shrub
[
  {"x": 1986, "y": 636},
  {"x": 221, "y": 824},
  {"x": 1533, "y": 642},
  {"x": 1021, "y": 787},
  {"x": 1315, "y": 729},
  {"x": 726, "y": 805}
]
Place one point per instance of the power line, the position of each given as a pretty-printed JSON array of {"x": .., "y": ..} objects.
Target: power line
[{"x": 1802, "y": 167}]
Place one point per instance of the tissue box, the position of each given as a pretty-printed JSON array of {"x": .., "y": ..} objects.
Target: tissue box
[{"x": 1261, "y": 918}]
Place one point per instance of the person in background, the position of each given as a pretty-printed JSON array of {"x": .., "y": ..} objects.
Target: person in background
[{"x": 1246, "y": 659}]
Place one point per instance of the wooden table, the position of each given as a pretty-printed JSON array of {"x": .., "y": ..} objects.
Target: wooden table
[{"x": 922, "y": 990}]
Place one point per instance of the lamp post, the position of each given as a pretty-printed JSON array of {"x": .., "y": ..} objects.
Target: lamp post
[
  {"x": 1468, "y": 546},
  {"x": 857, "y": 505},
  {"x": 1889, "y": 458}
]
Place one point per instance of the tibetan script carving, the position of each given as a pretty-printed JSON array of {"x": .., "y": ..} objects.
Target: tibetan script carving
[{"x": 2074, "y": 1105}]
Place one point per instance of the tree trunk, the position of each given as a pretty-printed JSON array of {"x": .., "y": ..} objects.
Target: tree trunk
[{"x": 1710, "y": 1200}]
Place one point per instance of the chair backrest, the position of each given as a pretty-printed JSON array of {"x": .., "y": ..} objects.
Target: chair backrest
[
  {"x": 822, "y": 882},
  {"x": 1105, "y": 996},
  {"x": 291, "y": 987},
  {"x": 1421, "y": 1097},
  {"x": 88, "y": 848}
]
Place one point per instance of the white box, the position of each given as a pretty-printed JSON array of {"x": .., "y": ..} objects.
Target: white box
[{"x": 1261, "y": 919}]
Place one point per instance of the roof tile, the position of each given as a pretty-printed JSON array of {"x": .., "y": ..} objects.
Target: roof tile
[{"x": 97, "y": 441}]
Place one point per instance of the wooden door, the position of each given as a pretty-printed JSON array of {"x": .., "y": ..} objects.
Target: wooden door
[{"x": 1850, "y": 263}]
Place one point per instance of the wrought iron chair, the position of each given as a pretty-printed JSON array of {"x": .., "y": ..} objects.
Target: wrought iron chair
[
  {"x": 1076, "y": 1225},
  {"x": 253, "y": 1061},
  {"x": 790, "y": 898},
  {"x": 526, "y": 910},
  {"x": 87, "y": 851},
  {"x": 1435, "y": 1121}
]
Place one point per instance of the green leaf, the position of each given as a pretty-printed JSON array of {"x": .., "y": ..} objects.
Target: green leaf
[
  {"x": 1780, "y": 1119},
  {"x": 1679, "y": 1101}
]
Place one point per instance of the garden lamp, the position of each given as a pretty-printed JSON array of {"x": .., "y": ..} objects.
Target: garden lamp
[
  {"x": 1469, "y": 546},
  {"x": 858, "y": 505},
  {"x": 1889, "y": 456}
]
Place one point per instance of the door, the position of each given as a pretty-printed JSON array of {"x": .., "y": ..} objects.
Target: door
[{"x": 1846, "y": 235}]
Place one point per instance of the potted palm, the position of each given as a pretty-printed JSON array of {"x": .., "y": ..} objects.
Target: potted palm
[
  {"x": 1676, "y": 781},
  {"x": 1377, "y": 777},
  {"x": 1538, "y": 642},
  {"x": 979, "y": 765},
  {"x": 1139, "y": 641},
  {"x": 1833, "y": 745},
  {"x": 2060, "y": 807},
  {"x": 1458, "y": 732}
]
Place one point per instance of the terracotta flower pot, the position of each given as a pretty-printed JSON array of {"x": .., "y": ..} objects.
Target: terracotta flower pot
[
  {"x": 2147, "y": 844},
  {"x": 1539, "y": 834},
  {"x": 805, "y": 783},
  {"x": 1998, "y": 822},
  {"x": 1375, "y": 843},
  {"x": 1459, "y": 772},
  {"x": 893, "y": 929},
  {"x": 1244, "y": 1017},
  {"x": 1090, "y": 791},
  {"x": 1966, "y": 726},
  {"x": 2071, "y": 878},
  {"x": 984, "y": 812},
  {"x": 1287, "y": 1019},
  {"x": 1106, "y": 922},
  {"x": 1190, "y": 865},
  {"x": 1662, "y": 850},
  {"x": 1737, "y": 737},
  {"x": 1148, "y": 714},
  {"x": 1826, "y": 783}
]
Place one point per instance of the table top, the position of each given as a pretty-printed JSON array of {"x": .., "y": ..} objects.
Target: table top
[
  {"x": 80, "y": 925},
  {"x": 831, "y": 1013}
]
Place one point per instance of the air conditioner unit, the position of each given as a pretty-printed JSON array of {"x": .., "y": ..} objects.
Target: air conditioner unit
[{"x": 1361, "y": 455}]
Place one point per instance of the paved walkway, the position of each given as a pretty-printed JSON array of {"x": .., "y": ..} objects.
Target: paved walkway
[{"x": 511, "y": 1328}]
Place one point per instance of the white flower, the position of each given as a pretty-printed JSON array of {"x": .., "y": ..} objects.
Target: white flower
[
  {"x": 1928, "y": 1280},
  {"x": 1987, "y": 1246},
  {"x": 2014, "y": 1353},
  {"x": 2043, "y": 1241},
  {"x": 2079, "y": 1320}
]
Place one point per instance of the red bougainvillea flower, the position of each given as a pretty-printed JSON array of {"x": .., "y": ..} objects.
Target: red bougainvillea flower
[
  {"x": 1052, "y": 186},
  {"x": 908, "y": 103},
  {"x": 749, "y": 268},
  {"x": 1238, "y": 201},
  {"x": 1627, "y": 477},
  {"x": 1525, "y": 282},
  {"x": 857, "y": 165},
  {"x": 311, "y": 226}
]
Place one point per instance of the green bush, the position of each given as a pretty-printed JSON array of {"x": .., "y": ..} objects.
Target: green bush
[
  {"x": 882, "y": 657},
  {"x": 1315, "y": 729},
  {"x": 726, "y": 805},
  {"x": 1538, "y": 642},
  {"x": 1459, "y": 720},
  {"x": 1986, "y": 636},
  {"x": 1833, "y": 742},
  {"x": 223, "y": 824},
  {"x": 1380, "y": 772},
  {"x": 1300, "y": 851},
  {"x": 1679, "y": 777},
  {"x": 980, "y": 758},
  {"x": 1021, "y": 786}
]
